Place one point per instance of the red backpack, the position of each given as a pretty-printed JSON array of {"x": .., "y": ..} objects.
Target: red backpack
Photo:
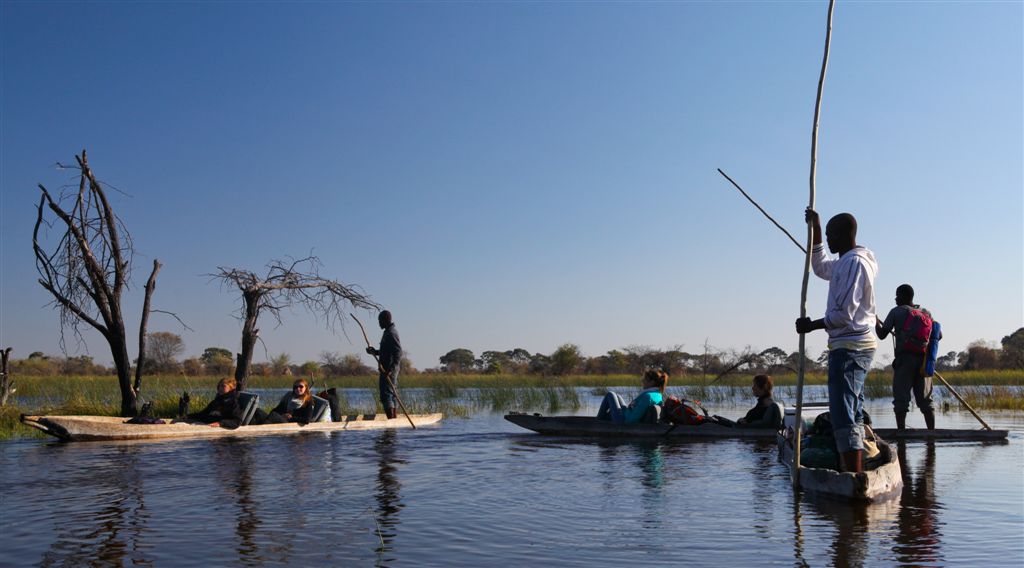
[
  {"x": 677, "y": 411},
  {"x": 917, "y": 330}
]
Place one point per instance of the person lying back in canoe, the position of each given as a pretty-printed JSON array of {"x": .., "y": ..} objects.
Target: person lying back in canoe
[
  {"x": 223, "y": 410},
  {"x": 296, "y": 406},
  {"x": 614, "y": 408},
  {"x": 766, "y": 414}
]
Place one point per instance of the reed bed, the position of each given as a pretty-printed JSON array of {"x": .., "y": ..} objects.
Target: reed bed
[
  {"x": 992, "y": 397},
  {"x": 61, "y": 385}
]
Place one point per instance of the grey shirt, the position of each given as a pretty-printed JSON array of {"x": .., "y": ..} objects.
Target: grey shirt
[{"x": 390, "y": 349}]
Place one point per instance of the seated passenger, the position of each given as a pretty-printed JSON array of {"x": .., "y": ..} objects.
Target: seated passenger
[
  {"x": 766, "y": 413},
  {"x": 224, "y": 409},
  {"x": 296, "y": 406},
  {"x": 614, "y": 408}
]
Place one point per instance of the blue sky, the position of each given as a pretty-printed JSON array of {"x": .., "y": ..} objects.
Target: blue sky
[{"x": 508, "y": 175}]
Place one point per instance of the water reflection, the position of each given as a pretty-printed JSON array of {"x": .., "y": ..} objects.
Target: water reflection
[
  {"x": 652, "y": 464},
  {"x": 388, "y": 497},
  {"x": 649, "y": 458},
  {"x": 763, "y": 503},
  {"x": 235, "y": 466},
  {"x": 853, "y": 525},
  {"x": 112, "y": 533},
  {"x": 918, "y": 539}
]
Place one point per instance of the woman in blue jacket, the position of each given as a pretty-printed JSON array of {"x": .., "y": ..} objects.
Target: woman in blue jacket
[{"x": 614, "y": 408}]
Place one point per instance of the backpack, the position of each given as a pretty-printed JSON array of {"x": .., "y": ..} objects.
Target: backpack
[
  {"x": 917, "y": 330},
  {"x": 677, "y": 411}
]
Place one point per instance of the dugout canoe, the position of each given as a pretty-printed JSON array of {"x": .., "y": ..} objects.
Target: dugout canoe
[
  {"x": 941, "y": 434},
  {"x": 89, "y": 428},
  {"x": 872, "y": 486},
  {"x": 588, "y": 426}
]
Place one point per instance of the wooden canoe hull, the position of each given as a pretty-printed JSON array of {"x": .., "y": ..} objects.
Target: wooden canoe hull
[
  {"x": 588, "y": 426},
  {"x": 89, "y": 428},
  {"x": 941, "y": 434},
  {"x": 880, "y": 484}
]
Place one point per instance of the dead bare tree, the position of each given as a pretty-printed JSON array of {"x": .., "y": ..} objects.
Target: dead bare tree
[
  {"x": 89, "y": 268},
  {"x": 6, "y": 383},
  {"x": 287, "y": 284}
]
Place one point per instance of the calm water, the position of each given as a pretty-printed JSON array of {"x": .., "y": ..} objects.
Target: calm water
[{"x": 479, "y": 491}]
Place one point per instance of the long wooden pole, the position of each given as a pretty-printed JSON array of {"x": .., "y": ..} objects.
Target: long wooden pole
[
  {"x": 961, "y": 399},
  {"x": 387, "y": 374},
  {"x": 799, "y": 419},
  {"x": 761, "y": 209},
  {"x": 940, "y": 377}
]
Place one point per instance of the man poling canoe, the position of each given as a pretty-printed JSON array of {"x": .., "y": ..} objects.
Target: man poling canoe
[
  {"x": 850, "y": 322},
  {"x": 914, "y": 332},
  {"x": 389, "y": 362}
]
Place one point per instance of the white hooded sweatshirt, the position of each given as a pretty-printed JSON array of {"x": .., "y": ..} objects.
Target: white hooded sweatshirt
[{"x": 850, "y": 313}]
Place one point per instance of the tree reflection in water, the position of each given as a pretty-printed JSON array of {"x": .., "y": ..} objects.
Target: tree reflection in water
[
  {"x": 918, "y": 539},
  {"x": 235, "y": 466},
  {"x": 112, "y": 534}
]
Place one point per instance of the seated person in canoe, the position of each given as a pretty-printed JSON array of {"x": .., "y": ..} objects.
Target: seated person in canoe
[
  {"x": 224, "y": 410},
  {"x": 614, "y": 408},
  {"x": 296, "y": 406},
  {"x": 766, "y": 414}
]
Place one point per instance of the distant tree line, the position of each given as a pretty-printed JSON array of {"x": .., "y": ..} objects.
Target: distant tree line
[
  {"x": 166, "y": 348},
  {"x": 708, "y": 361},
  {"x": 567, "y": 359}
]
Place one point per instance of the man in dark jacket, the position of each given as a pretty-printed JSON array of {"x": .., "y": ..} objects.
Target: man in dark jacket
[{"x": 390, "y": 356}]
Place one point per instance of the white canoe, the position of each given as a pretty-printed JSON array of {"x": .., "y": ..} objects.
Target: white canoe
[
  {"x": 85, "y": 428},
  {"x": 879, "y": 484}
]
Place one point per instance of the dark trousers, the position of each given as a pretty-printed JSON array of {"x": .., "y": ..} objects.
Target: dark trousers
[
  {"x": 907, "y": 379},
  {"x": 387, "y": 396}
]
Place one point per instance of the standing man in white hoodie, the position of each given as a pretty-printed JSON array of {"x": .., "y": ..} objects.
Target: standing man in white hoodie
[{"x": 850, "y": 322}]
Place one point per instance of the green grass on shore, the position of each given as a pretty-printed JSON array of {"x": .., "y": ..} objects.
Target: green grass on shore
[{"x": 156, "y": 386}]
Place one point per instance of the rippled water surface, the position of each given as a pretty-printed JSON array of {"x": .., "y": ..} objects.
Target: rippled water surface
[{"x": 481, "y": 491}]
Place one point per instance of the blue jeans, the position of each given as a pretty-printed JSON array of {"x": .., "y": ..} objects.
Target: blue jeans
[
  {"x": 387, "y": 396},
  {"x": 847, "y": 371},
  {"x": 611, "y": 408}
]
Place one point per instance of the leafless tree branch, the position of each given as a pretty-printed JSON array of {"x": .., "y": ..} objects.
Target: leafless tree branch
[
  {"x": 288, "y": 283},
  {"x": 173, "y": 315},
  {"x": 88, "y": 267}
]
